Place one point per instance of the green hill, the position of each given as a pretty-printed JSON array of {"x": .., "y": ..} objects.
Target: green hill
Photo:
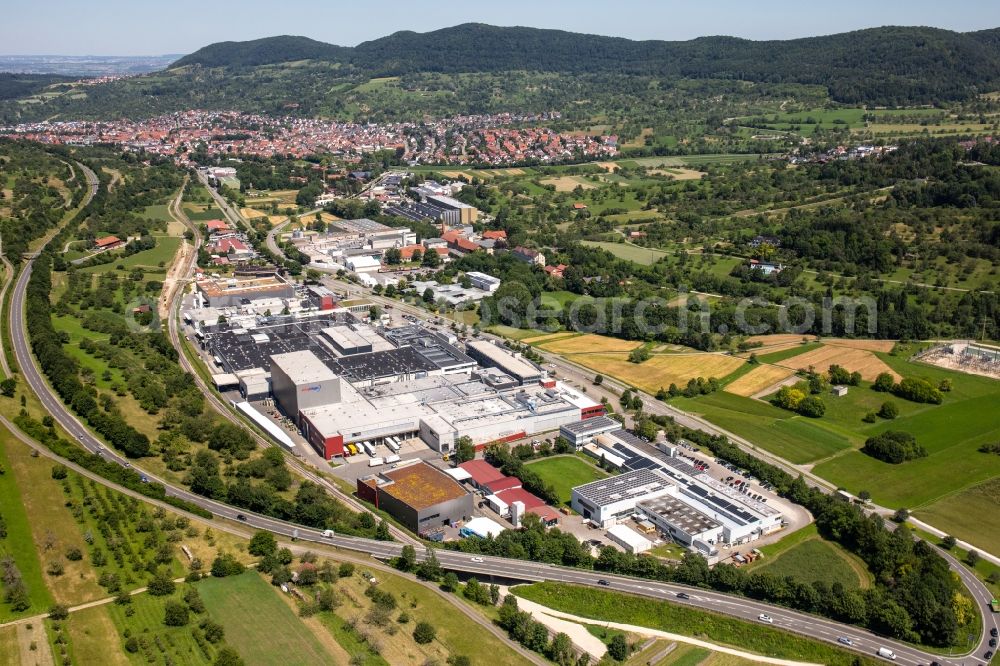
[{"x": 530, "y": 69}]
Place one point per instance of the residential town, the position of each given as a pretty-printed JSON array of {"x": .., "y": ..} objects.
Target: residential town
[{"x": 493, "y": 139}]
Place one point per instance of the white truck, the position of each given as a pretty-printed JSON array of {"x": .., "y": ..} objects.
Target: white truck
[
  {"x": 375, "y": 462},
  {"x": 391, "y": 459},
  {"x": 886, "y": 653}
]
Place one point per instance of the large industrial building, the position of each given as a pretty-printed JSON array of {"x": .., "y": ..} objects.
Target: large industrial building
[
  {"x": 218, "y": 292},
  {"x": 491, "y": 355},
  {"x": 420, "y": 496},
  {"x": 683, "y": 502}
]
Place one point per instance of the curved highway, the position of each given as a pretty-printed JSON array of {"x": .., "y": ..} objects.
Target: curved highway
[{"x": 485, "y": 567}]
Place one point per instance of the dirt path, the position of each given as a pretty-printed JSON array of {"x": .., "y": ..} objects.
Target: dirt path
[
  {"x": 42, "y": 654},
  {"x": 544, "y": 614}
]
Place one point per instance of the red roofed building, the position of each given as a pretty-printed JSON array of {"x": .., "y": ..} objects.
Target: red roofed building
[
  {"x": 465, "y": 245},
  {"x": 216, "y": 225},
  {"x": 108, "y": 243},
  {"x": 579, "y": 206},
  {"x": 495, "y": 234},
  {"x": 548, "y": 515},
  {"x": 505, "y": 483},
  {"x": 520, "y": 495},
  {"x": 556, "y": 271},
  {"x": 231, "y": 246},
  {"x": 482, "y": 472}
]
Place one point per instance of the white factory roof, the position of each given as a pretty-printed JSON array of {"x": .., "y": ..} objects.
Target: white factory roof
[
  {"x": 268, "y": 425},
  {"x": 364, "y": 262},
  {"x": 576, "y": 398},
  {"x": 483, "y": 527},
  {"x": 458, "y": 474},
  {"x": 506, "y": 360},
  {"x": 303, "y": 367},
  {"x": 225, "y": 379},
  {"x": 345, "y": 337},
  {"x": 448, "y": 201},
  {"x": 636, "y": 541}
]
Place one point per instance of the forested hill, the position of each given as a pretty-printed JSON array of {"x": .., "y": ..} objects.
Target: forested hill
[
  {"x": 889, "y": 65},
  {"x": 266, "y": 51}
]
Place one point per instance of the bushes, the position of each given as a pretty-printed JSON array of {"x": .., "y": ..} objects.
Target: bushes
[
  {"x": 424, "y": 633},
  {"x": 795, "y": 400},
  {"x": 917, "y": 390},
  {"x": 888, "y": 410},
  {"x": 226, "y": 564},
  {"x": 893, "y": 446}
]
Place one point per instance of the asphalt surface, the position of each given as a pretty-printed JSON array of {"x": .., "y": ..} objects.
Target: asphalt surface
[{"x": 488, "y": 567}]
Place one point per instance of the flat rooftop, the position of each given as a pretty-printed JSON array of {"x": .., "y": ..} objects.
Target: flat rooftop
[
  {"x": 303, "y": 367},
  {"x": 517, "y": 367},
  {"x": 215, "y": 288},
  {"x": 638, "y": 483},
  {"x": 374, "y": 365},
  {"x": 421, "y": 486},
  {"x": 677, "y": 512},
  {"x": 592, "y": 425},
  {"x": 235, "y": 345}
]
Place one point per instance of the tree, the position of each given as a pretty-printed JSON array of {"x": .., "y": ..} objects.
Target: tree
[
  {"x": 812, "y": 406},
  {"x": 864, "y": 495},
  {"x": 428, "y": 296},
  {"x": 393, "y": 256},
  {"x": 262, "y": 543},
  {"x": 901, "y": 516},
  {"x": 382, "y": 531},
  {"x": 214, "y": 632},
  {"x": 893, "y": 446},
  {"x": 598, "y": 380},
  {"x": 972, "y": 558},
  {"x": 228, "y": 657},
  {"x": 424, "y": 633},
  {"x": 8, "y": 387},
  {"x": 884, "y": 383},
  {"x": 464, "y": 449},
  {"x": 949, "y": 542},
  {"x": 58, "y": 612},
  {"x": 374, "y": 313},
  {"x": 450, "y": 582},
  {"x": 888, "y": 410},
  {"x": 618, "y": 648},
  {"x": 226, "y": 564},
  {"x": 407, "y": 559},
  {"x": 431, "y": 258},
  {"x": 161, "y": 584},
  {"x": 175, "y": 614}
]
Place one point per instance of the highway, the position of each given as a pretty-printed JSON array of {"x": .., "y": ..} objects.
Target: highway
[{"x": 487, "y": 567}]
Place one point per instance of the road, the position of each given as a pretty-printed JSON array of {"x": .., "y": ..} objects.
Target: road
[{"x": 488, "y": 567}]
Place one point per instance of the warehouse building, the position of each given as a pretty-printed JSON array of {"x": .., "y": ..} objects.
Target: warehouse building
[
  {"x": 681, "y": 521},
  {"x": 452, "y": 211},
  {"x": 629, "y": 539},
  {"x": 608, "y": 501},
  {"x": 487, "y": 283},
  {"x": 218, "y": 293},
  {"x": 495, "y": 356},
  {"x": 583, "y": 432},
  {"x": 419, "y": 496}
]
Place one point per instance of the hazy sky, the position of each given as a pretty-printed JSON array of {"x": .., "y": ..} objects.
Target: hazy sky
[{"x": 142, "y": 27}]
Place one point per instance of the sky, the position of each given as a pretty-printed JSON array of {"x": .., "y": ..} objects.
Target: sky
[{"x": 142, "y": 27}]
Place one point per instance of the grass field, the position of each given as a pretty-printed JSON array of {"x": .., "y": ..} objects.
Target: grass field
[
  {"x": 9, "y": 651},
  {"x": 758, "y": 379},
  {"x": 660, "y": 370},
  {"x": 963, "y": 513},
  {"x": 781, "y": 432},
  {"x": 159, "y": 643},
  {"x": 261, "y": 627},
  {"x": 817, "y": 560},
  {"x": 640, "y": 255},
  {"x": 656, "y": 614},
  {"x": 166, "y": 248},
  {"x": 53, "y": 528},
  {"x": 589, "y": 343},
  {"x": 94, "y": 637},
  {"x": 19, "y": 542},
  {"x": 568, "y": 183},
  {"x": 565, "y": 472}
]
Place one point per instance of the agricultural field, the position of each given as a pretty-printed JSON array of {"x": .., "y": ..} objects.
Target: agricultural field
[
  {"x": 566, "y": 472},
  {"x": 963, "y": 513},
  {"x": 262, "y": 628},
  {"x": 568, "y": 183},
  {"x": 661, "y": 370},
  {"x": 588, "y": 343},
  {"x": 853, "y": 360},
  {"x": 758, "y": 379}
]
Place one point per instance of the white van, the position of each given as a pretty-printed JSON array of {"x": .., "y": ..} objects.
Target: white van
[
  {"x": 886, "y": 653},
  {"x": 329, "y": 533}
]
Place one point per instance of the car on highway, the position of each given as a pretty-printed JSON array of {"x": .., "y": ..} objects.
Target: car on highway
[
  {"x": 604, "y": 582},
  {"x": 845, "y": 640},
  {"x": 240, "y": 516},
  {"x": 477, "y": 559},
  {"x": 763, "y": 617},
  {"x": 683, "y": 595}
]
